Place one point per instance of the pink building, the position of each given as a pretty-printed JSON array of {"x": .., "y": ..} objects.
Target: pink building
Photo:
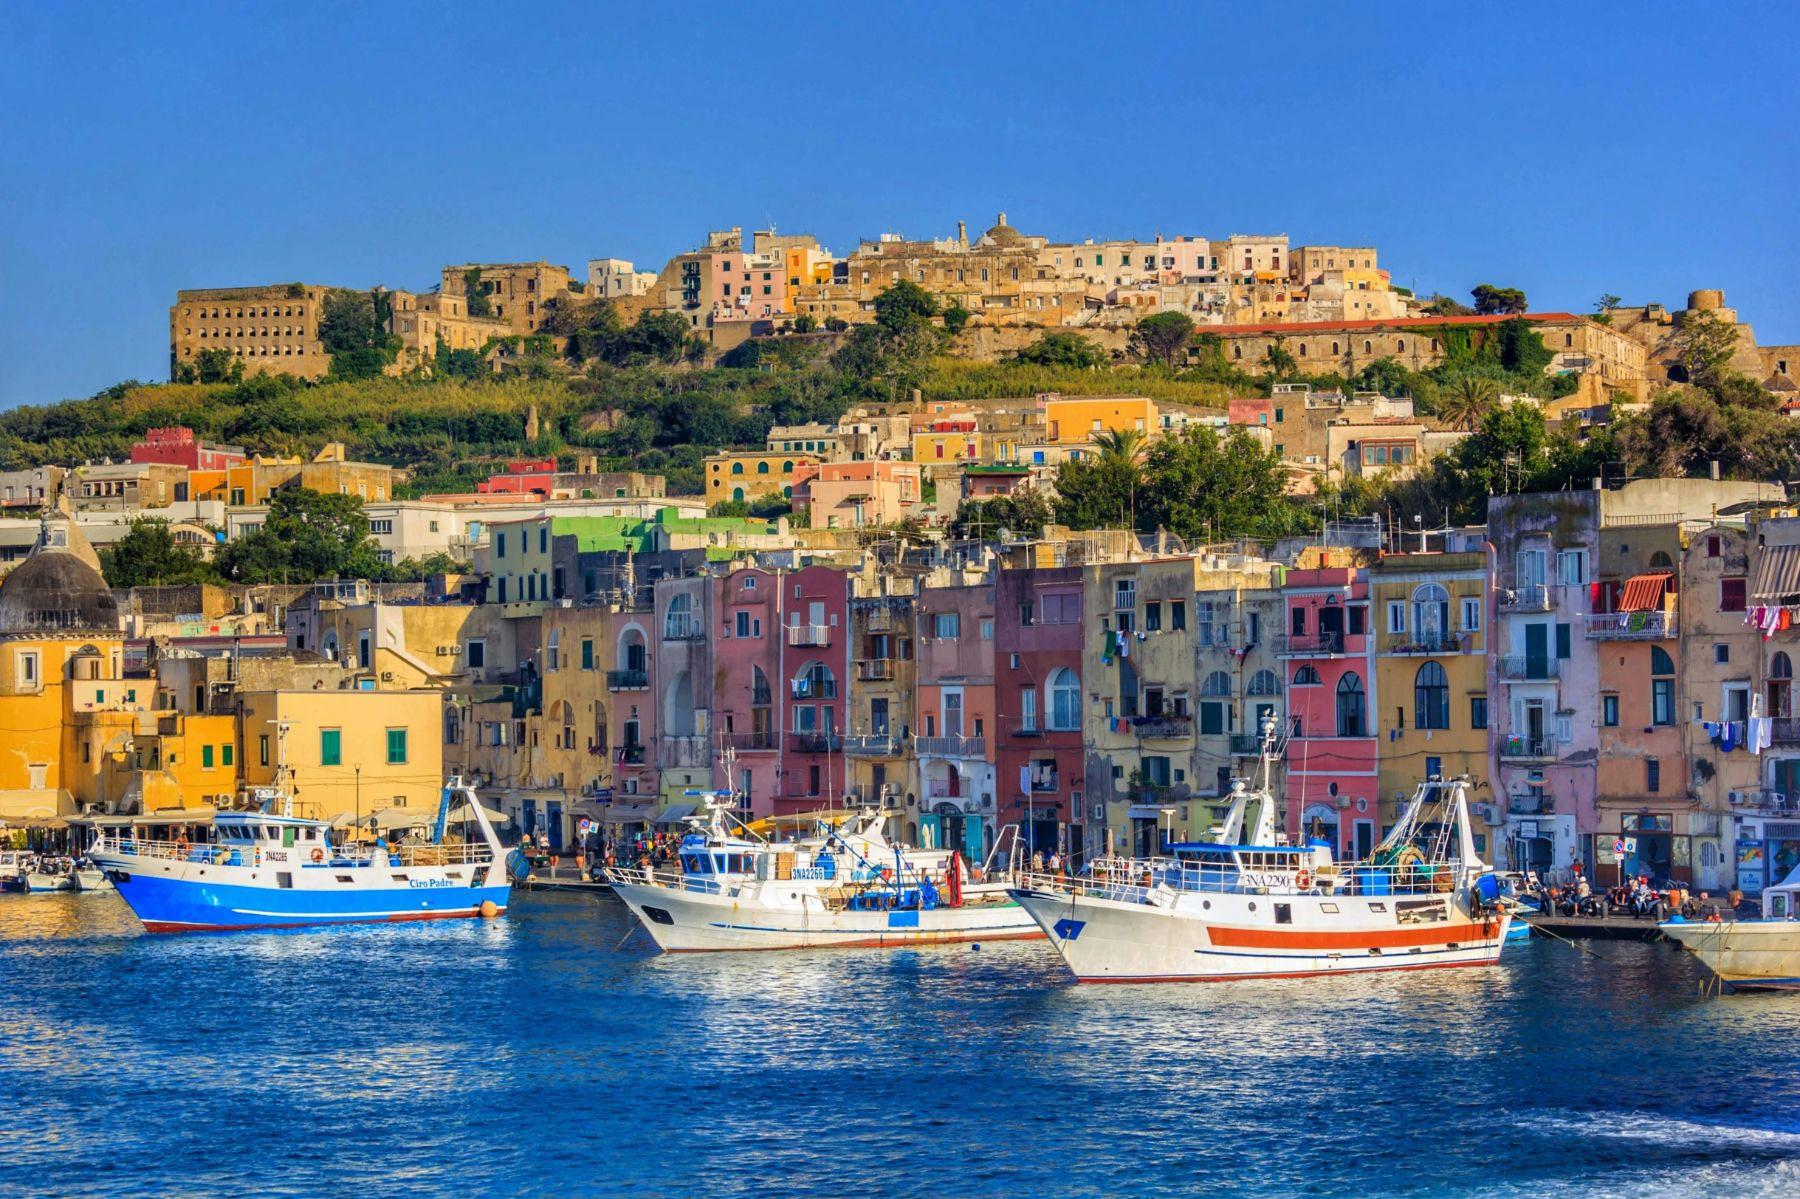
[
  {"x": 177, "y": 446},
  {"x": 1332, "y": 777},
  {"x": 850, "y": 495},
  {"x": 521, "y": 478},
  {"x": 957, "y": 729},
  {"x": 1257, "y": 410},
  {"x": 631, "y": 715},
  {"x": 986, "y": 482},
  {"x": 781, "y": 670}
]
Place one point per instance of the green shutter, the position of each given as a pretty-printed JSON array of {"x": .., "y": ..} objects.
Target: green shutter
[
  {"x": 206, "y": 757},
  {"x": 331, "y": 747},
  {"x": 587, "y": 655},
  {"x": 225, "y": 754},
  {"x": 1562, "y": 640},
  {"x": 396, "y": 746}
]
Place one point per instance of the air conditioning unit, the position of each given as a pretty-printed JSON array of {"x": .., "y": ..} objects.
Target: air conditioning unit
[
  {"x": 971, "y": 805},
  {"x": 387, "y": 676},
  {"x": 456, "y": 650},
  {"x": 889, "y": 790},
  {"x": 1343, "y": 801},
  {"x": 443, "y": 651}
]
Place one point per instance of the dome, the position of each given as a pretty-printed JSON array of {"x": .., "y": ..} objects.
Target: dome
[
  {"x": 1003, "y": 234},
  {"x": 58, "y": 588}
]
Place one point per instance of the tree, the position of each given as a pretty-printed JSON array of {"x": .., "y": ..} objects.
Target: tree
[
  {"x": 1490, "y": 300},
  {"x": 1603, "y": 307},
  {"x": 307, "y": 536},
  {"x": 805, "y": 323},
  {"x": 1163, "y": 337},
  {"x": 1057, "y": 348},
  {"x": 956, "y": 318},
  {"x": 476, "y": 291},
  {"x": 217, "y": 366},
  {"x": 149, "y": 556},
  {"x": 1097, "y": 491},
  {"x": 1280, "y": 360},
  {"x": 1687, "y": 429},
  {"x": 354, "y": 333},
  {"x": 1465, "y": 401},
  {"x": 1023, "y": 513},
  {"x": 1704, "y": 344},
  {"x": 900, "y": 344},
  {"x": 1521, "y": 350},
  {"x": 1442, "y": 305},
  {"x": 903, "y": 304},
  {"x": 1205, "y": 487}
]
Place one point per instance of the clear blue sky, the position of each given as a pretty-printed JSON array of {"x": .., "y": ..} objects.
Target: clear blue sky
[{"x": 1568, "y": 149}]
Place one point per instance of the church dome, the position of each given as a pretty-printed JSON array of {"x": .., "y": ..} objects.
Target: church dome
[
  {"x": 58, "y": 588},
  {"x": 1002, "y": 234}
]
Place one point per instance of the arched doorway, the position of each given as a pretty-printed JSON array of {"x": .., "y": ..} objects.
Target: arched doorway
[{"x": 1320, "y": 821}]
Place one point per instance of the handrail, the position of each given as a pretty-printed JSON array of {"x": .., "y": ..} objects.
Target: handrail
[
  {"x": 215, "y": 853},
  {"x": 1142, "y": 880}
]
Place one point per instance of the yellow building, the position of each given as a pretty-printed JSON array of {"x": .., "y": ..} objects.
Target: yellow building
[
  {"x": 1081, "y": 420},
  {"x": 59, "y": 640},
  {"x": 751, "y": 475},
  {"x": 1430, "y": 697},
  {"x": 272, "y": 330},
  {"x": 347, "y": 751}
]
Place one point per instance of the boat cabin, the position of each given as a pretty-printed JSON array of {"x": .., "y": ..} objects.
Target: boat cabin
[{"x": 1783, "y": 902}]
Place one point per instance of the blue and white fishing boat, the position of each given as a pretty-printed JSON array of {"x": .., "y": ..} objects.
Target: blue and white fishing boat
[{"x": 265, "y": 868}]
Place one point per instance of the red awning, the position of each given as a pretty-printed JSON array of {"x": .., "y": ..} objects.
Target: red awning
[{"x": 1643, "y": 593}]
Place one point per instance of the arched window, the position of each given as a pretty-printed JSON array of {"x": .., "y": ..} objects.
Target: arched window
[
  {"x": 1662, "y": 686},
  {"x": 1350, "y": 706},
  {"x": 1431, "y": 697},
  {"x": 737, "y": 493},
  {"x": 762, "y": 468},
  {"x": 759, "y": 688},
  {"x": 1306, "y": 676},
  {"x": 1660, "y": 560},
  {"x": 787, "y": 468},
  {"x": 815, "y": 681},
  {"x": 1065, "y": 700},
  {"x": 1431, "y": 615},
  {"x": 1264, "y": 682},
  {"x": 737, "y": 468},
  {"x": 1218, "y": 683},
  {"x": 678, "y": 621}
]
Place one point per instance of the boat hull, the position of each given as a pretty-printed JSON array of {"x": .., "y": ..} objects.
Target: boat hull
[
  {"x": 1239, "y": 936},
  {"x": 682, "y": 921},
  {"x": 1748, "y": 954},
  {"x": 186, "y": 897},
  {"x": 42, "y": 884}
]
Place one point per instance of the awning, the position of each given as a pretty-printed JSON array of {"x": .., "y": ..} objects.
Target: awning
[
  {"x": 1643, "y": 593},
  {"x": 628, "y": 813},
  {"x": 466, "y": 811},
  {"x": 675, "y": 813},
  {"x": 1777, "y": 572}
]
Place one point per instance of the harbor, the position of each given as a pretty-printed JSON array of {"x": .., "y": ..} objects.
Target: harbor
[{"x": 442, "y": 1033}]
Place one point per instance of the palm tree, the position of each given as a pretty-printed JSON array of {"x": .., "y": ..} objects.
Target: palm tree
[
  {"x": 1468, "y": 400},
  {"x": 1123, "y": 450}
]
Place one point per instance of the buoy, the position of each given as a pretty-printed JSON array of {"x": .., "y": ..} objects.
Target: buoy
[
  {"x": 489, "y": 909},
  {"x": 975, "y": 948}
]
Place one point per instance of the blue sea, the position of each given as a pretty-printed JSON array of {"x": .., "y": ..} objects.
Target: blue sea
[{"x": 536, "y": 1055}]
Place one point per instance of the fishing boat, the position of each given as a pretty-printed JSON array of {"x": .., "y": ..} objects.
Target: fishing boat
[
  {"x": 12, "y": 870},
  {"x": 843, "y": 886},
  {"x": 89, "y": 878},
  {"x": 266, "y": 868},
  {"x": 1221, "y": 909},
  {"x": 1759, "y": 954},
  {"x": 47, "y": 874}
]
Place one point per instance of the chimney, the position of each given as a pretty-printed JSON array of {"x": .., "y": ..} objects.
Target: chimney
[{"x": 962, "y": 232}]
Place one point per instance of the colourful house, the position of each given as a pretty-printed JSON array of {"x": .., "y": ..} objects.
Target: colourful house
[{"x": 1328, "y": 653}]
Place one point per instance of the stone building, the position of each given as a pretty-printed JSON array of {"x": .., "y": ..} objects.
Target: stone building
[
  {"x": 516, "y": 291},
  {"x": 272, "y": 330}
]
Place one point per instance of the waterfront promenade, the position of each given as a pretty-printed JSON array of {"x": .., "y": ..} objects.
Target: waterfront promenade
[{"x": 525, "y": 1057}]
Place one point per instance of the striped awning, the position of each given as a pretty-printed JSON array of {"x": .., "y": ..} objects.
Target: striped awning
[
  {"x": 1643, "y": 593},
  {"x": 1777, "y": 572}
]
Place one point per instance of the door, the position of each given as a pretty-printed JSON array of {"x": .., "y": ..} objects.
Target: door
[
  {"x": 1365, "y": 839},
  {"x": 974, "y": 845},
  {"x": 930, "y": 832},
  {"x": 528, "y": 816},
  {"x": 553, "y": 824},
  {"x": 1537, "y": 651}
]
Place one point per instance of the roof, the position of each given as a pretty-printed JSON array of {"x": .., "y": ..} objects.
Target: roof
[
  {"x": 1399, "y": 322},
  {"x": 997, "y": 470},
  {"x": 58, "y": 588},
  {"x": 1644, "y": 593},
  {"x": 1777, "y": 573}
]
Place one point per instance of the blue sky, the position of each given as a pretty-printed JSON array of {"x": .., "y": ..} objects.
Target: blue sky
[{"x": 1567, "y": 149}]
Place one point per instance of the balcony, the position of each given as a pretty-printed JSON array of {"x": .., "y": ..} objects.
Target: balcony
[
  {"x": 684, "y": 752},
  {"x": 1430, "y": 643},
  {"x": 881, "y": 745},
  {"x": 872, "y": 670},
  {"x": 1632, "y": 626},
  {"x": 1527, "y": 804},
  {"x": 1246, "y": 745},
  {"x": 818, "y": 635},
  {"x": 1779, "y": 803},
  {"x": 950, "y": 747},
  {"x": 748, "y": 742},
  {"x": 683, "y": 626},
  {"x": 1044, "y": 782},
  {"x": 627, "y": 680},
  {"x": 1165, "y": 727},
  {"x": 631, "y": 755},
  {"x": 1527, "y": 749},
  {"x": 1311, "y": 645},
  {"x": 1785, "y": 730},
  {"x": 1524, "y": 668},
  {"x": 945, "y": 789},
  {"x": 1033, "y": 729},
  {"x": 815, "y": 743},
  {"x": 1534, "y": 597}
]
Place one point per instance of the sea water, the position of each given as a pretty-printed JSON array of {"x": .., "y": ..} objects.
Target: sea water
[{"x": 536, "y": 1055}]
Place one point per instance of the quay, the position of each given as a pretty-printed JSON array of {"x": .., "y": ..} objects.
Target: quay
[
  {"x": 554, "y": 880},
  {"x": 1599, "y": 928}
]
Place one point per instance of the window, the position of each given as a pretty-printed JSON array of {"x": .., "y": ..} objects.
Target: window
[
  {"x": 1609, "y": 711},
  {"x": 1713, "y": 547},
  {"x": 1431, "y": 614},
  {"x": 587, "y": 653},
  {"x": 1662, "y": 687},
  {"x": 1731, "y": 595},
  {"x": 1124, "y": 594},
  {"x": 1562, "y": 640},
  {"x": 1026, "y": 613},
  {"x": 1652, "y": 775},
  {"x": 1396, "y": 616},
  {"x": 206, "y": 757},
  {"x": 1306, "y": 676},
  {"x": 225, "y": 753},
  {"x": 28, "y": 668},
  {"x": 1471, "y": 615},
  {"x": 1478, "y": 712},
  {"x": 331, "y": 747},
  {"x": 1571, "y": 568},
  {"x": 262, "y": 750},
  {"x": 987, "y": 629},
  {"x": 1152, "y": 616},
  {"x": 1721, "y": 653},
  {"x": 1350, "y": 698},
  {"x": 1431, "y": 697},
  {"x": 381, "y": 526},
  {"x": 396, "y": 747},
  {"x": 1065, "y": 701},
  {"x": 1178, "y": 614},
  {"x": 499, "y": 545},
  {"x": 477, "y": 654},
  {"x": 741, "y": 625},
  {"x": 1027, "y": 710},
  {"x": 946, "y": 625}
]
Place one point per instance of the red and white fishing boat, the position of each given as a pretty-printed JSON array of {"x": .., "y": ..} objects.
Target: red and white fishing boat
[{"x": 1219, "y": 910}]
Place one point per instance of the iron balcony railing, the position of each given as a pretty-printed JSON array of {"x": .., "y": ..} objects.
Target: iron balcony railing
[
  {"x": 1523, "y": 668},
  {"x": 815, "y": 743},
  {"x": 627, "y": 680},
  {"x": 1428, "y": 643},
  {"x": 1527, "y": 804},
  {"x": 683, "y": 626},
  {"x": 1165, "y": 726},
  {"x": 809, "y": 634},
  {"x": 1533, "y": 597},
  {"x": 1291, "y": 644},
  {"x": 1245, "y": 745},
  {"x": 950, "y": 747},
  {"x": 751, "y": 742},
  {"x": 874, "y": 669},
  {"x": 1632, "y": 626},
  {"x": 880, "y": 745},
  {"x": 1526, "y": 749},
  {"x": 1785, "y": 730},
  {"x": 631, "y": 755}
]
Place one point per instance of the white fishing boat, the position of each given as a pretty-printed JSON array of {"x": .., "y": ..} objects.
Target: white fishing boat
[
  {"x": 50, "y": 874},
  {"x": 1221, "y": 909},
  {"x": 843, "y": 886},
  {"x": 90, "y": 878},
  {"x": 1750, "y": 954},
  {"x": 12, "y": 869}
]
